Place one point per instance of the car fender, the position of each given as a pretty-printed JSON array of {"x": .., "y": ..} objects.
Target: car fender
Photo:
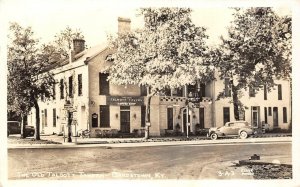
[
  {"x": 217, "y": 132},
  {"x": 249, "y": 131}
]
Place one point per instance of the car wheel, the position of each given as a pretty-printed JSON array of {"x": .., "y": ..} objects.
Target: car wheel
[
  {"x": 213, "y": 136},
  {"x": 243, "y": 134}
]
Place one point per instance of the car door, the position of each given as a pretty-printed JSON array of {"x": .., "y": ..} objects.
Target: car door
[
  {"x": 227, "y": 129},
  {"x": 235, "y": 128}
]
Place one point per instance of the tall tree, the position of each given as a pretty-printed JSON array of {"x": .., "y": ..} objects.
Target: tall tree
[
  {"x": 169, "y": 52},
  {"x": 28, "y": 80},
  {"x": 256, "y": 52}
]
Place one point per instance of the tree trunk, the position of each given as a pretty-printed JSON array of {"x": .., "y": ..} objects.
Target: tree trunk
[
  {"x": 23, "y": 134},
  {"x": 37, "y": 120},
  {"x": 236, "y": 102}
]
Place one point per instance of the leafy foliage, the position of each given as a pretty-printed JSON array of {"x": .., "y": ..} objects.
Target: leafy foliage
[
  {"x": 256, "y": 52},
  {"x": 169, "y": 52},
  {"x": 27, "y": 79}
]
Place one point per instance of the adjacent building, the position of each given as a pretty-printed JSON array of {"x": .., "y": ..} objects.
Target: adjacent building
[{"x": 84, "y": 99}]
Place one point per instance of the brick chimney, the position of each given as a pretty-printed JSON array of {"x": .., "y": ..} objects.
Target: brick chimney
[
  {"x": 78, "y": 45},
  {"x": 123, "y": 25}
]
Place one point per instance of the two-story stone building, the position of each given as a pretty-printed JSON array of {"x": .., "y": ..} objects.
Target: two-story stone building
[{"x": 85, "y": 99}]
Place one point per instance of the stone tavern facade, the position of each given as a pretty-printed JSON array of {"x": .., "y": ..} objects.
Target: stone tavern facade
[{"x": 83, "y": 94}]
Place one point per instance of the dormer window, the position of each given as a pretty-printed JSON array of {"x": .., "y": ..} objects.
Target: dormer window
[{"x": 109, "y": 58}]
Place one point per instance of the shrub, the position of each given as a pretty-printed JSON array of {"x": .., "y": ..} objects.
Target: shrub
[
  {"x": 98, "y": 133},
  {"x": 138, "y": 132},
  {"x": 279, "y": 130},
  {"x": 114, "y": 133},
  {"x": 177, "y": 131}
]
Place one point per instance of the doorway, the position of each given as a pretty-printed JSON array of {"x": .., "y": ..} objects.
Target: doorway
[
  {"x": 125, "y": 119},
  {"x": 70, "y": 119},
  {"x": 275, "y": 117},
  {"x": 226, "y": 115},
  {"x": 201, "y": 118},
  {"x": 170, "y": 118},
  {"x": 185, "y": 122},
  {"x": 255, "y": 116}
]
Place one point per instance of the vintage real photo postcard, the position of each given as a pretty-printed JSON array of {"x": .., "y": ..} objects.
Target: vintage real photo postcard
[{"x": 148, "y": 93}]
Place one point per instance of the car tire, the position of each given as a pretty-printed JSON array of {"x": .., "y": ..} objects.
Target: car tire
[
  {"x": 213, "y": 136},
  {"x": 243, "y": 134}
]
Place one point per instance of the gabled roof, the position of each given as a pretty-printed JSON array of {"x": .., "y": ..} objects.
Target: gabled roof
[{"x": 84, "y": 56}]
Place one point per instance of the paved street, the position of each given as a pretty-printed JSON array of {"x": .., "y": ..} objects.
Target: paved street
[{"x": 158, "y": 162}]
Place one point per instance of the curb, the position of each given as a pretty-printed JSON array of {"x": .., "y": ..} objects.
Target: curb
[{"x": 144, "y": 144}]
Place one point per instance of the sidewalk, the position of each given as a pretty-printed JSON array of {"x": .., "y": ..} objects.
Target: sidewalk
[{"x": 140, "y": 142}]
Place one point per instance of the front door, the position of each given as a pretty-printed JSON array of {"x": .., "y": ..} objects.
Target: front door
[
  {"x": 70, "y": 120},
  {"x": 275, "y": 117},
  {"x": 185, "y": 122},
  {"x": 201, "y": 118},
  {"x": 170, "y": 118},
  {"x": 125, "y": 121},
  {"x": 255, "y": 116}
]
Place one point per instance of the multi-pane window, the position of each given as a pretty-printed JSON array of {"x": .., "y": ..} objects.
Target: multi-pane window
[
  {"x": 143, "y": 116},
  {"x": 284, "y": 115},
  {"x": 202, "y": 90},
  {"x": 45, "y": 113},
  {"x": 251, "y": 92},
  {"x": 167, "y": 92},
  {"x": 279, "y": 92},
  {"x": 226, "y": 114},
  {"x": 43, "y": 117},
  {"x": 265, "y": 92},
  {"x": 178, "y": 92},
  {"x": 143, "y": 90},
  {"x": 266, "y": 115},
  {"x": 270, "y": 111},
  {"x": 61, "y": 87},
  {"x": 103, "y": 84},
  {"x": 43, "y": 97},
  {"x": 54, "y": 117},
  {"x": 227, "y": 87},
  {"x": 104, "y": 116},
  {"x": 71, "y": 86},
  {"x": 170, "y": 118},
  {"x": 79, "y": 84},
  {"x": 191, "y": 90}
]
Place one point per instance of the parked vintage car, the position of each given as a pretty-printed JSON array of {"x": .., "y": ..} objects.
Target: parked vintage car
[
  {"x": 234, "y": 128},
  {"x": 14, "y": 127}
]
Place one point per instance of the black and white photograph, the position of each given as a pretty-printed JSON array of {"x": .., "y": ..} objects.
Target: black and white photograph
[{"x": 180, "y": 93}]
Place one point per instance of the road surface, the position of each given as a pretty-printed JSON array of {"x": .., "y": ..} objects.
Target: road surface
[{"x": 159, "y": 162}]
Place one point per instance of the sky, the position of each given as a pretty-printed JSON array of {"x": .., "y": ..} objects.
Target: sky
[{"x": 97, "y": 19}]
